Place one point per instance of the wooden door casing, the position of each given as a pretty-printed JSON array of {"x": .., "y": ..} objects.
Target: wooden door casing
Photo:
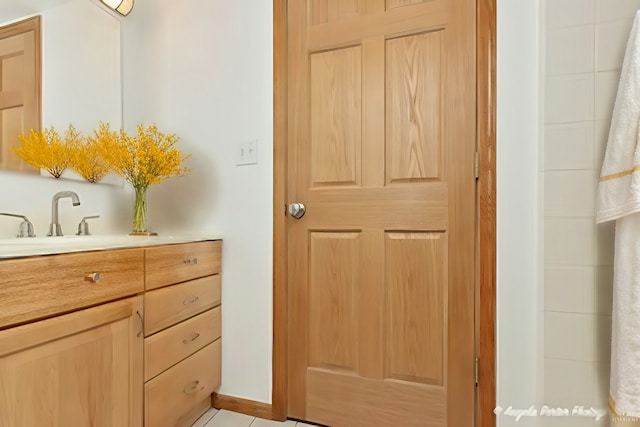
[{"x": 390, "y": 195}]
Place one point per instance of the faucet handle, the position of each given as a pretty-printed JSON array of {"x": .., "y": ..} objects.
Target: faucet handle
[
  {"x": 26, "y": 227},
  {"x": 83, "y": 227}
]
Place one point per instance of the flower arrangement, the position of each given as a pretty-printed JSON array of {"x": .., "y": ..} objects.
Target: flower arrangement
[
  {"x": 46, "y": 149},
  {"x": 146, "y": 158},
  {"x": 88, "y": 161}
]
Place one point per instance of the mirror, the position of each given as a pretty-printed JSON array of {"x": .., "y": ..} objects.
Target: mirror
[{"x": 81, "y": 65}]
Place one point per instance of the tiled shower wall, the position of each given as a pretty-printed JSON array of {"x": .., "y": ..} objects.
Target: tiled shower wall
[{"x": 585, "y": 43}]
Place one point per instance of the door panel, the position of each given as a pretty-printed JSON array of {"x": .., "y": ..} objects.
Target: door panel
[
  {"x": 336, "y": 119},
  {"x": 416, "y": 269},
  {"x": 333, "y": 281},
  {"x": 413, "y": 115},
  {"x": 381, "y": 267}
]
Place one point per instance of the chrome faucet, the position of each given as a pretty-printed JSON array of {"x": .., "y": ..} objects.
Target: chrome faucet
[
  {"x": 54, "y": 228},
  {"x": 26, "y": 228}
]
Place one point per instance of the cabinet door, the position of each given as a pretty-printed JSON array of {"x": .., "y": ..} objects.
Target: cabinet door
[{"x": 80, "y": 369}]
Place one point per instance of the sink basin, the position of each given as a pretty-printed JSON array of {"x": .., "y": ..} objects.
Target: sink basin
[
  {"x": 65, "y": 240},
  {"x": 33, "y": 246}
]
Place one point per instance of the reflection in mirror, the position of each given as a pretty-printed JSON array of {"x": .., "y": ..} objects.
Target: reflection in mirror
[
  {"x": 20, "y": 72},
  {"x": 81, "y": 69}
]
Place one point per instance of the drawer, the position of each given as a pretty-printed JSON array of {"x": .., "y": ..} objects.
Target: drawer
[
  {"x": 166, "y": 348},
  {"x": 38, "y": 287},
  {"x": 170, "y": 264},
  {"x": 176, "y": 391},
  {"x": 167, "y": 306}
]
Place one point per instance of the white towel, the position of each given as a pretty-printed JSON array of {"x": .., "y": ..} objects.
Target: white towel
[
  {"x": 619, "y": 188},
  {"x": 619, "y": 199}
]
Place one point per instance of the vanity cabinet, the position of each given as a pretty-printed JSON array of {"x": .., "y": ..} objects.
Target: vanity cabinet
[
  {"x": 122, "y": 337},
  {"x": 78, "y": 369},
  {"x": 182, "y": 331}
]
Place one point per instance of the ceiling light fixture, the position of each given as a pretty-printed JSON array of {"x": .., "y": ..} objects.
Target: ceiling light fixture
[{"x": 123, "y": 7}]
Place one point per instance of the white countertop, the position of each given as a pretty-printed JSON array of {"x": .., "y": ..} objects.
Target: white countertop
[{"x": 36, "y": 246}]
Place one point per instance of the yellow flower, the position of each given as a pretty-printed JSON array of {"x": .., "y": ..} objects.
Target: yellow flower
[
  {"x": 47, "y": 150},
  {"x": 147, "y": 158}
]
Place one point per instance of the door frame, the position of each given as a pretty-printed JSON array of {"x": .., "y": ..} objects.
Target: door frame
[{"x": 485, "y": 211}]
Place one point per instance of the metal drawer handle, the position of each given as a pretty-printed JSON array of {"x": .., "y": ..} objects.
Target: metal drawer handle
[
  {"x": 190, "y": 261},
  {"x": 191, "y": 300},
  {"x": 192, "y": 387},
  {"x": 141, "y": 324},
  {"x": 193, "y": 338},
  {"x": 92, "y": 277}
]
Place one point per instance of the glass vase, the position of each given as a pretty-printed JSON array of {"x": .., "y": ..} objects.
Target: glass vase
[{"x": 140, "y": 211}]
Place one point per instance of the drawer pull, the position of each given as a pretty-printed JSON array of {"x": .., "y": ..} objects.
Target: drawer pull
[
  {"x": 192, "y": 339},
  {"x": 192, "y": 387},
  {"x": 92, "y": 277},
  {"x": 190, "y": 261},
  {"x": 141, "y": 324},
  {"x": 190, "y": 301}
]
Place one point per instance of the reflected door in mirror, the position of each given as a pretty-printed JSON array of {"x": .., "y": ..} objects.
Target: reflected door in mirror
[{"x": 20, "y": 77}]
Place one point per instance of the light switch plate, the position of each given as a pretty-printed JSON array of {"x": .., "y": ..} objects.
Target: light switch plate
[{"x": 247, "y": 153}]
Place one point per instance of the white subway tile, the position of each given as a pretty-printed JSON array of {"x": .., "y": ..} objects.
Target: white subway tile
[
  {"x": 603, "y": 289},
  {"x": 567, "y": 13},
  {"x": 605, "y": 240},
  {"x": 610, "y": 10},
  {"x": 602, "y": 371},
  {"x": 601, "y": 337},
  {"x": 568, "y": 383},
  {"x": 569, "y": 242},
  {"x": 605, "y": 96},
  {"x": 611, "y": 42},
  {"x": 569, "y": 98},
  {"x": 570, "y": 50},
  {"x": 600, "y": 137},
  {"x": 569, "y": 146},
  {"x": 570, "y": 193},
  {"x": 565, "y": 336},
  {"x": 569, "y": 289}
]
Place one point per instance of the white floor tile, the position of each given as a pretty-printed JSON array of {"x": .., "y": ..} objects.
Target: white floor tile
[
  {"x": 205, "y": 418},
  {"x": 230, "y": 419},
  {"x": 304, "y": 424},
  {"x": 259, "y": 422}
]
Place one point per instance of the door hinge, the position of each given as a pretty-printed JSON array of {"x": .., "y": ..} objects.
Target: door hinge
[
  {"x": 477, "y": 164},
  {"x": 477, "y": 369}
]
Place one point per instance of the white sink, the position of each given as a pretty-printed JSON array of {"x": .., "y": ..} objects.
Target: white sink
[{"x": 32, "y": 246}]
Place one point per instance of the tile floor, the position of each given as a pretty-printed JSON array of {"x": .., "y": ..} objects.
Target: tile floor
[{"x": 223, "y": 418}]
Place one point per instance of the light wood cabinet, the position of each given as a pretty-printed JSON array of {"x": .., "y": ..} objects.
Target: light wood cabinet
[
  {"x": 38, "y": 287},
  {"x": 78, "y": 369},
  {"x": 182, "y": 331},
  {"x": 126, "y": 337}
]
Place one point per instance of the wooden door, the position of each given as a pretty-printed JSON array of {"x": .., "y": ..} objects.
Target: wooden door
[
  {"x": 381, "y": 128},
  {"x": 20, "y": 73},
  {"x": 80, "y": 369}
]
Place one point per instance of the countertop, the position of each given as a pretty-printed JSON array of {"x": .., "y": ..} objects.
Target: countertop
[{"x": 37, "y": 246}]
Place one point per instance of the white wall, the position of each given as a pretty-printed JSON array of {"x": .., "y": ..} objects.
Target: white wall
[
  {"x": 203, "y": 70},
  {"x": 81, "y": 70},
  {"x": 518, "y": 197}
]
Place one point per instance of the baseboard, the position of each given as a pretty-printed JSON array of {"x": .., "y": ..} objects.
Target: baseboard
[{"x": 244, "y": 406}]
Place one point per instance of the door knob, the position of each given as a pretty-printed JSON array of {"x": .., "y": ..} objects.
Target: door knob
[{"x": 296, "y": 210}]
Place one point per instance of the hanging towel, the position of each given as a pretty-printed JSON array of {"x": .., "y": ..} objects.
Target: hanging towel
[
  {"x": 619, "y": 187},
  {"x": 619, "y": 199}
]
